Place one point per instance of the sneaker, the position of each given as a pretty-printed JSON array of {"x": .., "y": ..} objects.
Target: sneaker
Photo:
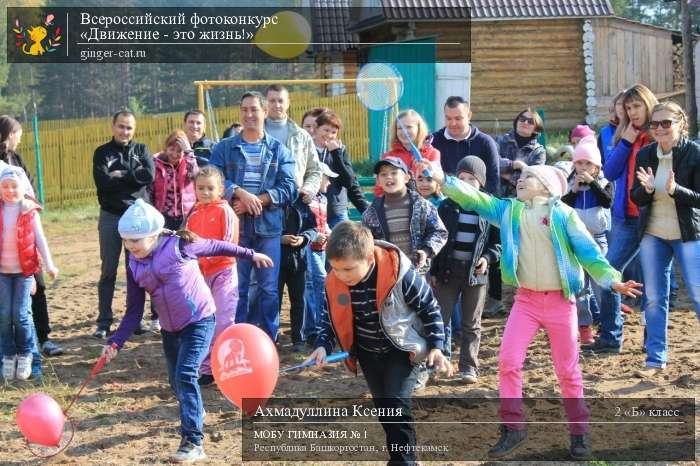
[
  {"x": 580, "y": 448},
  {"x": 492, "y": 307},
  {"x": 469, "y": 376},
  {"x": 600, "y": 347},
  {"x": 511, "y": 439},
  {"x": 100, "y": 333},
  {"x": 586, "y": 334},
  {"x": 298, "y": 348},
  {"x": 421, "y": 378},
  {"x": 9, "y": 364},
  {"x": 648, "y": 372},
  {"x": 49, "y": 348},
  {"x": 24, "y": 367},
  {"x": 206, "y": 380},
  {"x": 154, "y": 326},
  {"x": 188, "y": 453}
]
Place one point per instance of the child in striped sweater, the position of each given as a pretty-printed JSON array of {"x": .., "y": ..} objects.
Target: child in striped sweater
[
  {"x": 373, "y": 296},
  {"x": 545, "y": 247}
]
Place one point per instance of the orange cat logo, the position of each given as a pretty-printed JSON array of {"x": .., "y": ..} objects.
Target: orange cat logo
[{"x": 37, "y": 40}]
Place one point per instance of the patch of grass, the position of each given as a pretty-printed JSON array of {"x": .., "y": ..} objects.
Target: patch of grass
[{"x": 71, "y": 215}]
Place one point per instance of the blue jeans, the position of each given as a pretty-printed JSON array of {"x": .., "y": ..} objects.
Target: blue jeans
[
  {"x": 184, "y": 352},
  {"x": 588, "y": 298},
  {"x": 391, "y": 379},
  {"x": 266, "y": 312},
  {"x": 16, "y": 326},
  {"x": 334, "y": 219},
  {"x": 314, "y": 293},
  {"x": 656, "y": 255},
  {"x": 456, "y": 325},
  {"x": 622, "y": 248}
]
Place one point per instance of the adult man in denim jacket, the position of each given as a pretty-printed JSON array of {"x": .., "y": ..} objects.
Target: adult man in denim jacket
[{"x": 260, "y": 181}]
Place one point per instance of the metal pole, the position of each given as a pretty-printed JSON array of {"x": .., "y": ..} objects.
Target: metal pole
[
  {"x": 263, "y": 82},
  {"x": 200, "y": 95},
  {"x": 37, "y": 156}
]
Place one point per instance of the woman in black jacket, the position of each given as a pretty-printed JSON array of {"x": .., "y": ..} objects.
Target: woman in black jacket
[
  {"x": 331, "y": 152},
  {"x": 667, "y": 191}
]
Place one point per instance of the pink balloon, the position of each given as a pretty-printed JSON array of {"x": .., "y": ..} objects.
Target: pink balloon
[
  {"x": 40, "y": 419},
  {"x": 245, "y": 364}
]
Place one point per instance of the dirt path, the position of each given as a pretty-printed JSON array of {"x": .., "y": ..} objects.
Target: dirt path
[{"x": 129, "y": 416}]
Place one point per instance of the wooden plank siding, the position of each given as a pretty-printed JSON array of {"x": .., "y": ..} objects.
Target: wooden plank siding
[
  {"x": 519, "y": 64},
  {"x": 625, "y": 53},
  {"x": 67, "y": 146}
]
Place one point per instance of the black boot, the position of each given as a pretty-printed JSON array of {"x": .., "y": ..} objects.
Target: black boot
[
  {"x": 510, "y": 440},
  {"x": 580, "y": 446}
]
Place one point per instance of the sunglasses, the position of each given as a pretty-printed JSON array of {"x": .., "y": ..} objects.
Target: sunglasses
[
  {"x": 665, "y": 124},
  {"x": 523, "y": 119}
]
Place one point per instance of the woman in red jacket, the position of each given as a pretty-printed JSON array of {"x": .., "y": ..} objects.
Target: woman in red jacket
[{"x": 418, "y": 132}]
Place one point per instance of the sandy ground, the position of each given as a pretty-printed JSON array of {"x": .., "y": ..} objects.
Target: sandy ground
[{"x": 129, "y": 416}]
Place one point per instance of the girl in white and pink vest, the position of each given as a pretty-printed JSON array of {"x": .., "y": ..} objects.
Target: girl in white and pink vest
[{"x": 22, "y": 243}]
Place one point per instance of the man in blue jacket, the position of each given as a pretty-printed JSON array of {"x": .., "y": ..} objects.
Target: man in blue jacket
[{"x": 260, "y": 182}]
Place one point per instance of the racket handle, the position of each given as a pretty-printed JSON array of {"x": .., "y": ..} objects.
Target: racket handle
[{"x": 337, "y": 357}]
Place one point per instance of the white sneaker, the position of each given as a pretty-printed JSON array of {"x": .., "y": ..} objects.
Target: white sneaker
[
  {"x": 24, "y": 367},
  {"x": 188, "y": 453},
  {"x": 8, "y": 367},
  {"x": 154, "y": 326}
]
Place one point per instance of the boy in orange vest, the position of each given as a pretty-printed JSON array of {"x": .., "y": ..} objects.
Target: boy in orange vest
[{"x": 384, "y": 313}]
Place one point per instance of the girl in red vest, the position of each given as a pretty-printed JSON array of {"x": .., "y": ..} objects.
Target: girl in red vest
[
  {"x": 22, "y": 243},
  {"x": 213, "y": 218}
]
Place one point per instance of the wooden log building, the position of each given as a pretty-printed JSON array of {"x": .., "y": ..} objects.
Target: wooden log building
[{"x": 567, "y": 57}]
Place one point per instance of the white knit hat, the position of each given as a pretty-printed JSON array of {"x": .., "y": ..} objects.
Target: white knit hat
[
  {"x": 140, "y": 220},
  {"x": 552, "y": 178}
]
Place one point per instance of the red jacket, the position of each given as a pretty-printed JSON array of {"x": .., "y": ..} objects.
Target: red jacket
[
  {"x": 26, "y": 241},
  {"x": 427, "y": 151},
  {"x": 215, "y": 220},
  {"x": 179, "y": 180}
]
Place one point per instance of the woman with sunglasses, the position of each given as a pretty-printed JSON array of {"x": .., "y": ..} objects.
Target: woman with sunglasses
[
  {"x": 631, "y": 135},
  {"x": 667, "y": 191},
  {"x": 519, "y": 148}
]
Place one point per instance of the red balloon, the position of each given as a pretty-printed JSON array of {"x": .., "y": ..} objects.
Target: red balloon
[
  {"x": 40, "y": 419},
  {"x": 245, "y": 364}
]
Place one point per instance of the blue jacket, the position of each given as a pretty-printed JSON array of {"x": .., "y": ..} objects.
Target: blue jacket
[
  {"x": 277, "y": 180},
  {"x": 606, "y": 141}
]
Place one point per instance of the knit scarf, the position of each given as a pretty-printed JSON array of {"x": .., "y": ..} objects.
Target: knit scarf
[{"x": 642, "y": 140}]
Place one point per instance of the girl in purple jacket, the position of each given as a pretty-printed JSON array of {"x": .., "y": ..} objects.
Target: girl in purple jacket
[{"x": 164, "y": 264}]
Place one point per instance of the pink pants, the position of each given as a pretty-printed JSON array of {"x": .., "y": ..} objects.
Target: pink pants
[
  {"x": 224, "y": 288},
  {"x": 531, "y": 311}
]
